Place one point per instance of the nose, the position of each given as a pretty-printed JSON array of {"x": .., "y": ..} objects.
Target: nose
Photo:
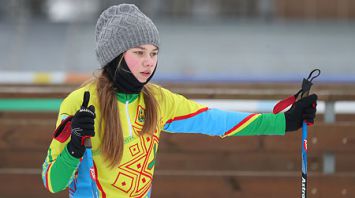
[{"x": 149, "y": 62}]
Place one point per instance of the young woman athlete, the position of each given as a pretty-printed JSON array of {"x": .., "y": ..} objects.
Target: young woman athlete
[{"x": 123, "y": 115}]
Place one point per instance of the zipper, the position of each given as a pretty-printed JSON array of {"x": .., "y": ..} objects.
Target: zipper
[{"x": 129, "y": 120}]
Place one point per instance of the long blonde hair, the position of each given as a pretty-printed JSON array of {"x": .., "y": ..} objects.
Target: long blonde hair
[{"x": 111, "y": 134}]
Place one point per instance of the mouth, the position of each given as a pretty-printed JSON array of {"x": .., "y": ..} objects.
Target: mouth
[{"x": 145, "y": 73}]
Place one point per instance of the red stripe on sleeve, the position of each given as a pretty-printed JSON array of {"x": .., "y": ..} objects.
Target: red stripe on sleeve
[
  {"x": 240, "y": 123},
  {"x": 188, "y": 115},
  {"x": 47, "y": 176}
]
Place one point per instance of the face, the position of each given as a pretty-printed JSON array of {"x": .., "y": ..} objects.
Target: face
[{"x": 142, "y": 61}]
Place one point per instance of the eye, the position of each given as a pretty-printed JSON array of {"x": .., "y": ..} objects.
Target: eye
[
  {"x": 140, "y": 53},
  {"x": 154, "y": 54}
]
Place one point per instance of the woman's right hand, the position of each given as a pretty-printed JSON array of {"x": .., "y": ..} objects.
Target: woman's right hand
[{"x": 82, "y": 127}]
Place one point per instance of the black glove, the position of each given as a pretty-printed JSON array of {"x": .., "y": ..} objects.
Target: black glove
[
  {"x": 302, "y": 110},
  {"x": 82, "y": 127}
]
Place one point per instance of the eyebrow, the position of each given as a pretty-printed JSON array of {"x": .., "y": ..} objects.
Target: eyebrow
[{"x": 143, "y": 48}]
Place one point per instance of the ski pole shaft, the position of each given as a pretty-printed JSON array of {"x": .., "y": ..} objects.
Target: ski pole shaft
[{"x": 304, "y": 159}]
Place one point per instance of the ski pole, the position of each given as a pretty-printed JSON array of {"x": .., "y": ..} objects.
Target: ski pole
[
  {"x": 88, "y": 155},
  {"x": 306, "y": 87}
]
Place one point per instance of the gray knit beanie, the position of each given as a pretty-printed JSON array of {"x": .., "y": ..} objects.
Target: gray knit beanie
[{"x": 120, "y": 28}]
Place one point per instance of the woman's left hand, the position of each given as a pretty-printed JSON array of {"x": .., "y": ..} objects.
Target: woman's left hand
[{"x": 303, "y": 110}]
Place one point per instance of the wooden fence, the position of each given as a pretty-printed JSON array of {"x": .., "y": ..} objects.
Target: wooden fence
[{"x": 197, "y": 165}]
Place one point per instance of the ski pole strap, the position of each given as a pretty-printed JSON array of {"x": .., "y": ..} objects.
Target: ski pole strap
[
  {"x": 307, "y": 83},
  {"x": 304, "y": 91},
  {"x": 283, "y": 104}
]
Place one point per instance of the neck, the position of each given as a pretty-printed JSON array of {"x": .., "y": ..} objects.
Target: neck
[{"x": 123, "y": 79}]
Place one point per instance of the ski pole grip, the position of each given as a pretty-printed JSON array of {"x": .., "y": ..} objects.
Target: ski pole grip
[
  {"x": 87, "y": 143},
  {"x": 306, "y": 87}
]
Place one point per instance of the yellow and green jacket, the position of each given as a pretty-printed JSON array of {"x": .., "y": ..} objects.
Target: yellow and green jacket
[{"x": 133, "y": 176}]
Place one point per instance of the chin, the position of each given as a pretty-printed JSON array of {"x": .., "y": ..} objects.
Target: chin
[{"x": 142, "y": 80}]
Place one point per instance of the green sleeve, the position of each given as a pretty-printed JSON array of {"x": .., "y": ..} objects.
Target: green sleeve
[
  {"x": 265, "y": 124},
  {"x": 63, "y": 170}
]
